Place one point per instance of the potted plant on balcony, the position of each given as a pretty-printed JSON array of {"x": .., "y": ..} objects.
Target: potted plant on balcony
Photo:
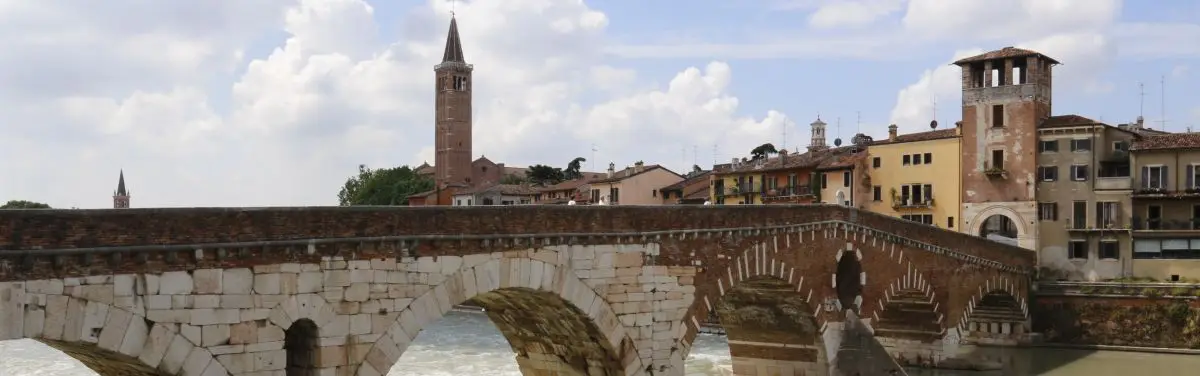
[{"x": 994, "y": 171}]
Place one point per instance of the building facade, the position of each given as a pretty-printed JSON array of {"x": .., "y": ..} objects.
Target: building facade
[
  {"x": 909, "y": 179},
  {"x": 1166, "y": 207},
  {"x": 637, "y": 185},
  {"x": 1005, "y": 94},
  {"x": 1083, "y": 194},
  {"x": 692, "y": 190},
  {"x": 496, "y": 194}
]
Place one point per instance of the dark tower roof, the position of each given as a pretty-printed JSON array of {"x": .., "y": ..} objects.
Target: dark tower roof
[
  {"x": 121, "y": 185},
  {"x": 454, "y": 52}
]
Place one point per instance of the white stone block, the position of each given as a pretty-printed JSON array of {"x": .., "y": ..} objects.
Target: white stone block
[
  {"x": 215, "y": 369},
  {"x": 357, "y": 292},
  {"x": 12, "y": 310},
  {"x": 135, "y": 337},
  {"x": 192, "y": 333},
  {"x": 287, "y": 283},
  {"x": 94, "y": 316},
  {"x": 270, "y": 360},
  {"x": 156, "y": 345},
  {"x": 74, "y": 324},
  {"x": 175, "y": 283},
  {"x": 272, "y": 333},
  {"x": 206, "y": 301},
  {"x": 175, "y": 355},
  {"x": 337, "y": 278},
  {"x": 214, "y": 335},
  {"x": 215, "y": 316},
  {"x": 360, "y": 324},
  {"x": 289, "y": 268},
  {"x": 197, "y": 361},
  {"x": 267, "y": 283},
  {"x": 207, "y": 281},
  {"x": 309, "y": 282},
  {"x": 123, "y": 284},
  {"x": 237, "y": 301},
  {"x": 237, "y": 281},
  {"x": 45, "y": 286},
  {"x": 35, "y": 319}
]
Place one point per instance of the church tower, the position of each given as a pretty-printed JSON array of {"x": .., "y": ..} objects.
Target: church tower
[
  {"x": 452, "y": 141},
  {"x": 818, "y": 136},
  {"x": 121, "y": 196},
  {"x": 1006, "y": 94}
]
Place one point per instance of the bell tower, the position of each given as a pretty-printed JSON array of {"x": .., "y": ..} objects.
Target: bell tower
[
  {"x": 452, "y": 141},
  {"x": 121, "y": 196}
]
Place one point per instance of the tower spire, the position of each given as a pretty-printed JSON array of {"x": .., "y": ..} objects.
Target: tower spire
[
  {"x": 121, "y": 196},
  {"x": 454, "y": 51},
  {"x": 121, "y": 184}
]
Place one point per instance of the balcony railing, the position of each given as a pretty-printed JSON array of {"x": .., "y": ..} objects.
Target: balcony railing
[
  {"x": 1106, "y": 224},
  {"x": 1165, "y": 224},
  {"x": 800, "y": 190},
  {"x": 909, "y": 202},
  {"x": 744, "y": 188},
  {"x": 996, "y": 172},
  {"x": 1115, "y": 182}
]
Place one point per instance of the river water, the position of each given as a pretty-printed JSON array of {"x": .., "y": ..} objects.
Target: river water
[{"x": 468, "y": 344}]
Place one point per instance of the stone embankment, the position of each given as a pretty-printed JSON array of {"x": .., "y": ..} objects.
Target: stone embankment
[{"x": 1131, "y": 314}]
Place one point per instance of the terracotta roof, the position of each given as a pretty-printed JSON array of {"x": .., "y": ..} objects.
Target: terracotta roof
[
  {"x": 566, "y": 185},
  {"x": 504, "y": 189},
  {"x": 1004, "y": 53},
  {"x": 1167, "y": 142},
  {"x": 841, "y": 158},
  {"x": 628, "y": 173},
  {"x": 699, "y": 193},
  {"x": 1067, "y": 121},
  {"x": 920, "y": 136},
  {"x": 790, "y": 161},
  {"x": 703, "y": 175},
  {"x": 423, "y": 194}
]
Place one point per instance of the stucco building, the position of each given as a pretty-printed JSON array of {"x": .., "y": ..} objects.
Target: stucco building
[
  {"x": 909, "y": 179},
  {"x": 636, "y": 185},
  {"x": 692, "y": 190},
  {"x": 1166, "y": 206}
]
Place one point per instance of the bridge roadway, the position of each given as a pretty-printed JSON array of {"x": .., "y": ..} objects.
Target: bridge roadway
[{"x": 617, "y": 290}]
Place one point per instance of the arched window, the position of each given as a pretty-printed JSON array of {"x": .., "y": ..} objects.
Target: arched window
[{"x": 300, "y": 343}]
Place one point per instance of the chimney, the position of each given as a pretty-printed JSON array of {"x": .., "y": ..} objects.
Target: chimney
[
  {"x": 637, "y": 167},
  {"x": 892, "y": 132},
  {"x": 958, "y": 128},
  {"x": 783, "y": 153},
  {"x": 612, "y": 169},
  {"x": 1140, "y": 122}
]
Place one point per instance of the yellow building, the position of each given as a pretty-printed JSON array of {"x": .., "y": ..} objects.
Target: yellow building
[
  {"x": 916, "y": 177},
  {"x": 738, "y": 183}
]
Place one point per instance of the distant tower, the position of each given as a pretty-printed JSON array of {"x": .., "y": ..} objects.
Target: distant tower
[
  {"x": 818, "y": 135},
  {"x": 1005, "y": 96},
  {"x": 452, "y": 115},
  {"x": 121, "y": 196}
]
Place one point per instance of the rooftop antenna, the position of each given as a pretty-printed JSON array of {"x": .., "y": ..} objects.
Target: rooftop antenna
[
  {"x": 594, "y": 149},
  {"x": 1163, "y": 94},
  {"x": 453, "y": 4},
  {"x": 714, "y": 154},
  {"x": 695, "y": 159},
  {"x": 857, "y": 121},
  {"x": 1141, "y": 99},
  {"x": 783, "y": 144}
]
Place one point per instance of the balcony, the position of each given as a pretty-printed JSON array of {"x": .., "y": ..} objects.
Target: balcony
[
  {"x": 1114, "y": 183},
  {"x": 802, "y": 190},
  {"x": 743, "y": 189},
  {"x": 1164, "y": 224},
  {"x": 1113, "y": 224},
  {"x": 996, "y": 172},
  {"x": 1152, "y": 193},
  {"x": 908, "y": 202}
]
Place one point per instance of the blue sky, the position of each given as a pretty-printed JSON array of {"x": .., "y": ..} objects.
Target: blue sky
[{"x": 275, "y": 102}]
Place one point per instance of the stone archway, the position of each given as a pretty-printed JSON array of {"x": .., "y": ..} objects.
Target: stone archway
[
  {"x": 300, "y": 343},
  {"x": 1011, "y": 222},
  {"x": 580, "y": 334},
  {"x": 996, "y": 313}
]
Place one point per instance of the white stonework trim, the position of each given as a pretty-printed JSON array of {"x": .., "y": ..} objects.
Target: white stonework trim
[
  {"x": 769, "y": 344},
  {"x": 720, "y": 287},
  {"x": 801, "y": 284},
  {"x": 808, "y": 299},
  {"x": 708, "y": 304}
]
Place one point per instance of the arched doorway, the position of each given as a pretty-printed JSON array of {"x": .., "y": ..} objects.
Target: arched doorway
[
  {"x": 1000, "y": 228},
  {"x": 841, "y": 198},
  {"x": 849, "y": 283},
  {"x": 300, "y": 343}
]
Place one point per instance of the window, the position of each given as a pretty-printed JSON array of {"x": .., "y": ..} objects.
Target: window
[
  {"x": 949, "y": 222},
  {"x": 792, "y": 181},
  {"x": 653, "y": 193},
  {"x": 460, "y": 83},
  {"x": 907, "y": 159},
  {"x": 877, "y": 193},
  {"x": 928, "y": 158},
  {"x": 1081, "y": 144},
  {"x": 846, "y": 178},
  {"x": 1154, "y": 177},
  {"x": 596, "y": 192},
  {"x": 875, "y": 162},
  {"x": 916, "y": 159},
  {"x": 1106, "y": 214},
  {"x": 1078, "y": 250},
  {"x": 1079, "y": 215},
  {"x": 920, "y": 218},
  {"x": 1048, "y": 173},
  {"x": 614, "y": 195},
  {"x": 1154, "y": 217},
  {"x": 1048, "y": 211},
  {"x": 1048, "y": 146},
  {"x": 1121, "y": 146},
  {"x": 916, "y": 194},
  {"x": 1109, "y": 250},
  {"x": 1079, "y": 172},
  {"x": 998, "y": 116},
  {"x": 1192, "y": 182},
  {"x": 998, "y": 159},
  {"x": 824, "y": 180}
]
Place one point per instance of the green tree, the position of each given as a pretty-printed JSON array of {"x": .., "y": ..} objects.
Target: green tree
[
  {"x": 544, "y": 175},
  {"x": 763, "y": 151},
  {"x": 572, "y": 171},
  {"x": 513, "y": 179},
  {"x": 22, "y": 204},
  {"x": 385, "y": 186}
]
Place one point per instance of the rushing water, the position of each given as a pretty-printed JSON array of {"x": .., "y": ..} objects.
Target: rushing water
[{"x": 467, "y": 344}]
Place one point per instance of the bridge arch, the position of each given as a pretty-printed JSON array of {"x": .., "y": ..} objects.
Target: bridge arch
[
  {"x": 996, "y": 314},
  {"x": 583, "y": 334},
  {"x": 87, "y": 324},
  {"x": 772, "y": 320}
]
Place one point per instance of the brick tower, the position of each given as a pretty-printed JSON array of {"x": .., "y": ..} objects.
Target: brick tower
[
  {"x": 452, "y": 141},
  {"x": 1005, "y": 95},
  {"x": 121, "y": 196}
]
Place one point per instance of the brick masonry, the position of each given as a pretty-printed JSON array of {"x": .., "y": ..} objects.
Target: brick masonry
[{"x": 176, "y": 288}]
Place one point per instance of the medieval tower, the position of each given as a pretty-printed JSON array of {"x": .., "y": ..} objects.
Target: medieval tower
[
  {"x": 121, "y": 196},
  {"x": 818, "y": 135},
  {"x": 452, "y": 116},
  {"x": 1005, "y": 95}
]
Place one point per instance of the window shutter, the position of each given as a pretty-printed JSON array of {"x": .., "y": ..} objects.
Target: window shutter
[
  {"x": 1087, "y": 173},
  {"x": 1191, "y": 177},
  {"x": 1054, "y": 209},
  {"x": 1166, "y": 178},
  {"x": 928, "y": 192},
  {"x": 1145, "y": 177}
]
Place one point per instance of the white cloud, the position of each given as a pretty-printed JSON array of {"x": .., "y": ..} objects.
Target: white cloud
[
  {"x": 1179, "y": 71},
  {"x": 845, "y": 13},
  {"x": 294, "y": 123}
]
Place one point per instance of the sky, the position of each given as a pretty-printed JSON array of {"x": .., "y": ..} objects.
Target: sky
[{"x": 276, "y": 102}]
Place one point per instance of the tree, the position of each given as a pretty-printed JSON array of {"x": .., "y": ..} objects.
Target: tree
[
  {"x": 22, "y": 204},
  {"x": 696, "y": 168},
  {"x": 544, "y": 175},
  {"x": 385, "y": 186},
  {"x": 513, "y": 179},
  {"x": 763, "y": 151},
  {"x": 572, "y": 171}
]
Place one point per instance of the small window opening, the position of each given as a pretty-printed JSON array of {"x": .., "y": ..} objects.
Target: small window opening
[
  {"x": 998, "y": 159},
  {"x": 997, "y": 116}
]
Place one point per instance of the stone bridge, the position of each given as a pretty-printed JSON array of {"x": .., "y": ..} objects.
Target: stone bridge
[{"x": 576, "y": 290}]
